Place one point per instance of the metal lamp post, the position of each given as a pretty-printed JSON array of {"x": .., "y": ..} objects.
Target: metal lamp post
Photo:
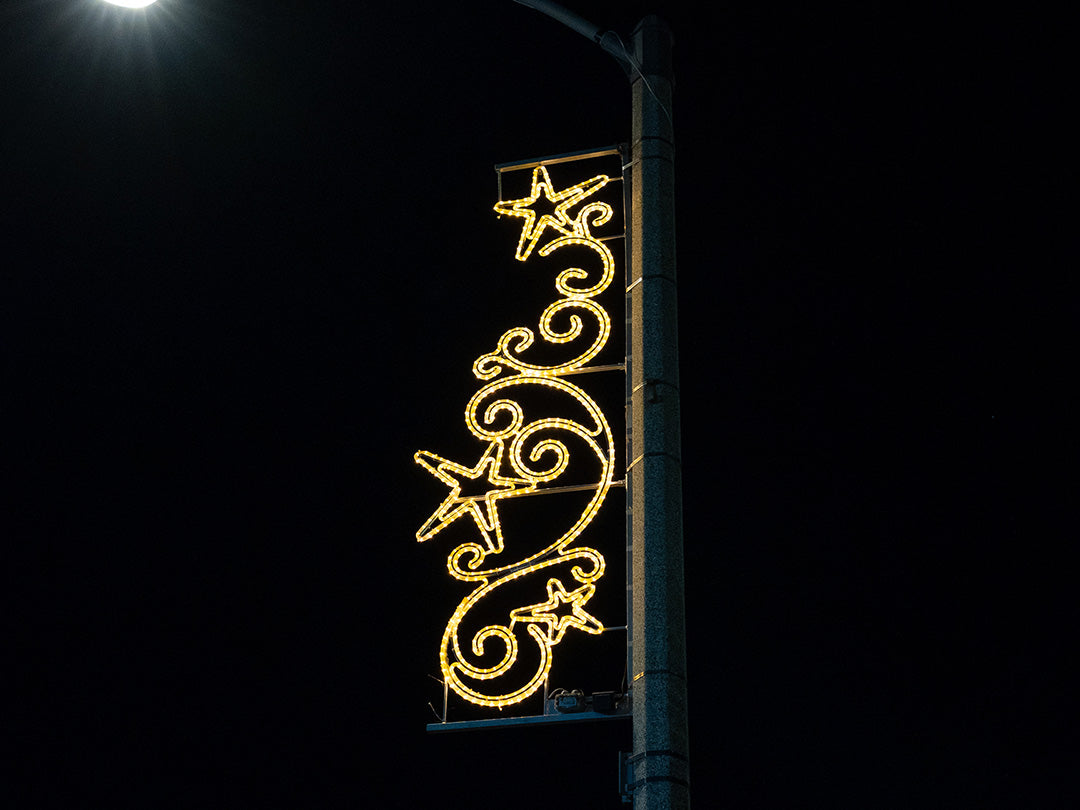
[{"x": 658, "y": 768}]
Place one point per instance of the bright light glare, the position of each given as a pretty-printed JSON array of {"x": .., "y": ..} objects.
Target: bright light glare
[{"x": 131, "y": 3}]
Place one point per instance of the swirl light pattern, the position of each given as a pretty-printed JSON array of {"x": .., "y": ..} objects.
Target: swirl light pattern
[{"x": 502, "y": 664}]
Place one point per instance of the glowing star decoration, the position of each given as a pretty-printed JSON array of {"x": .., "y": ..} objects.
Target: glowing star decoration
[
  {"x": 566, "y": 199},
  {"x": 557, "y": 623},
  {"x": 502, "y": 664},
  {"x": 455, "y": 505}
]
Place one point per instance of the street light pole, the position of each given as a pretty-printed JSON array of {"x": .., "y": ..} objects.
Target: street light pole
[{"x": 660, "y": 761}]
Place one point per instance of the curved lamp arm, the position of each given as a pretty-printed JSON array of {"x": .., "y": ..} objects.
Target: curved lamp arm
[{"x": 607, "y": 40}]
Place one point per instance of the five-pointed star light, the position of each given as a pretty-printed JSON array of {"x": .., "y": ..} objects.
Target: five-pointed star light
[
  {"x": 455, "y": 505},
  {"x": 557, "y": 623},
  {"x": 533, "y": 228}
]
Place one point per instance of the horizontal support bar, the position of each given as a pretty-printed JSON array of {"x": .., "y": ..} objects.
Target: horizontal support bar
[
  {"x": 591, "y": 369},
  {"x": 565, "y": 157},
  {"x": 535, "y": 720},
  {"x": 550, "y": 490}
]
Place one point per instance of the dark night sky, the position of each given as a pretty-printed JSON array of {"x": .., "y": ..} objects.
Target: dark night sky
[{"x": 249, "y": 257}]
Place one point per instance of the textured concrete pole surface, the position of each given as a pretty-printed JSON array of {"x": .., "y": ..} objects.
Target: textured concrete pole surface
[{"x": 660, "y": 757}]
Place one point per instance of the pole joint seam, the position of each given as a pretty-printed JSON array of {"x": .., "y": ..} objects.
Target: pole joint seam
[
  {"x": 647, "y": 383},
  {"x": 659, "y": 154},
  {"x": 671, "y": 672},
  {"x": 658, "y": 752},
  {"x": 630, "y": 466}
]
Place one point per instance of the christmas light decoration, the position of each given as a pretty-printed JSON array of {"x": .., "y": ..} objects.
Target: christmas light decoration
[
  {"x": 566, "y": 199},
  {"x": 522, "y": 454}
]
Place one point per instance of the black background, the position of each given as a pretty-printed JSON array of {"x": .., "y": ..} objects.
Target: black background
[{"x": 249, "y": 257}]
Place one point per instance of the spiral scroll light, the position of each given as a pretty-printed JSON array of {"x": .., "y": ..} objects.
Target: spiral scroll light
[{"x": 522, "y": 456}]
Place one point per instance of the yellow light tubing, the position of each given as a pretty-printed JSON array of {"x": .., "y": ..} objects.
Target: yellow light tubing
[
  {"x": 534, "y": 226},
  {"x": 522, "y": 453}
]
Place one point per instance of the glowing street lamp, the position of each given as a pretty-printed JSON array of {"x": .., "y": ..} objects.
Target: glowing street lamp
[{"x": 131, "y": 3}]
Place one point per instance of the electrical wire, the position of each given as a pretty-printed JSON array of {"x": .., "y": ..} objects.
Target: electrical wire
[{"x": 630, "y": 59}]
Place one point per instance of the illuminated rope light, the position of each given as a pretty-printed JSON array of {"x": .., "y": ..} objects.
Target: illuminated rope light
[
  {"x": 522, "y": 454},
  {"x": 566, "y": 199},
  {"x": 557, "y": 625},
  {"x": 454, "y": 506}
]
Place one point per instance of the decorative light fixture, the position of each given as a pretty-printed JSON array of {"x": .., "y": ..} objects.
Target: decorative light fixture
[
  {"x": 523, "y": 456},
  {"x": 131, "y": 3}
]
